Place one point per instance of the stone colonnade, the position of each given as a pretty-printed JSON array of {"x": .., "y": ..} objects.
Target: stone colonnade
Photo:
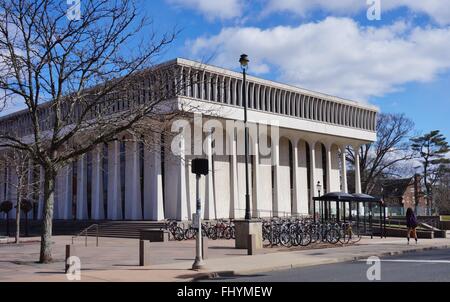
[{"x": 125, "y": 180}]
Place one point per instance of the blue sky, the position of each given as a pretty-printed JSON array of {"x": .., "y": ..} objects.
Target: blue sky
[{"x": 399, "y": 63}]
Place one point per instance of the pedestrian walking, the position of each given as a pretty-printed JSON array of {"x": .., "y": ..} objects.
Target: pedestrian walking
[{"x": 411, "y": 224}]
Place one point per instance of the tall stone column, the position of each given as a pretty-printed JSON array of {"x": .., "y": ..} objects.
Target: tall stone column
[
  {"x": 60, "y": 207},
  {"x": 233, "y": 99},
  {"x": 276, "y": 175},
  {"x": 295, "y": 178},
  {"x": 175, "y": 193},
  {"x": 210, "y": 208},
  {"x": 2, "y": 188},
  {"x": 188, "y": 83},
  {"x": 153, "y": 190},
  {"x": 344, "y": 170},
  {"x": 7, "y": 183},
  {"x": 30, "y": 185},
  {"x": 357, "y": 170},
  {"x": 82, "y": 211},
  {"x": 114, "y": 208},
  {"x": 13, "y": 190},
  {"x": 97, "y": 210},
  {"x": 208, "y": 86},
  {"x": 256, "y": 178},
  {"x": 312, "y": 162},
  {"x": 234, "y": 191},
  {"x": 329, "y": 168},
  {"x": 182, "y": 195},
  {"x": 68, "y": 176},
  {"x": 202, "y": 94},
  {"x": 302, "y": 179},
  {"x": 133, "y": 209}
]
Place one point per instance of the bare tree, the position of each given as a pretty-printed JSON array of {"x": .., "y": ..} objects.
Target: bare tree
[
  {"x": 82, "y": 82},
  {"x": 19, "y": 163},
  {"x": 382, "y": 157}
]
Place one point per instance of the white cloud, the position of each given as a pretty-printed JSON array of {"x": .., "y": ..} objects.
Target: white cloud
[
  {"x": 304, "y": 7},
  {"x": 439, "y": 10},
  {"x": 336, "y": 55},
  {"x": 212, "y": 9}
]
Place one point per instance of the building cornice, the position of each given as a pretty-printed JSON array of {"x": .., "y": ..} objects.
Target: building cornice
[{"x": 230, "y": 73}]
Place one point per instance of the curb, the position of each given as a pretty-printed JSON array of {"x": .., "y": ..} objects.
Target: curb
[{"x": 236, "y": 273}]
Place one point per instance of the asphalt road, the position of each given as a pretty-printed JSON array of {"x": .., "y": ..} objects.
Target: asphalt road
[{"x": 426, "y": 266}]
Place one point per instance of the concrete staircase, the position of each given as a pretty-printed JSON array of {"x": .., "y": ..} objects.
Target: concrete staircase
[
  {"x": 60, "y": 227},
  {"x": 119, "y": 229},
  {"x": 123, "y": 229},
  {"x": 437, "y": 233}
]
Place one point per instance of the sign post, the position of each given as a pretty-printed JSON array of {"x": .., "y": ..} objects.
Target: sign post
[{"x": 199, "y": 168}]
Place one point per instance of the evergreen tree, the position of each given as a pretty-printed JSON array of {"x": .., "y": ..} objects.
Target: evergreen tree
[{"x": 432, "y": 149}]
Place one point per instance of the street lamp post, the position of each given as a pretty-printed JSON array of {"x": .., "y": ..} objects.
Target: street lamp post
[
  {"x": 248, "y": 230},
  {"x": 319, "y": 188},
  {"x": 244, "y": 65}
]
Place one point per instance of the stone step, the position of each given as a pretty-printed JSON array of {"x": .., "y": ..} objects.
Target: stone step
[{"x": 124, "y": 229}]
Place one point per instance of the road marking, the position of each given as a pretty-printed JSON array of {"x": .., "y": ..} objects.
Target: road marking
[
  {"x": 412, "y": 260},
  {"x": 382, "y": 242}
]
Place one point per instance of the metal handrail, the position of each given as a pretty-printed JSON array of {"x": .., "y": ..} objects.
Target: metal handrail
[
  {"x": 281, "y": 214},
  {"x": 85, "y": 231}
]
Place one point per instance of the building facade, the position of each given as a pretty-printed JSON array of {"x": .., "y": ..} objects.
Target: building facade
[
  {"x": 401, "y": 194},
  {"x": 298, "y": 138}
]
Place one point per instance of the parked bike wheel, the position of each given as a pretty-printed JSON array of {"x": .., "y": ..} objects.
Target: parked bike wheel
[
  {"x": 274, "y": 238},
  {"x": 356, "y": 235},
  {"x": 332, "y": 236},
  {"x": 346, "y": 234},
  {"x": 178, "y": 234},
  {"x": 305, "y": 239},
  {"x": 285, "y": 239},
  {"x": 212, "y": 233},
  {"x": 190, "y": 233},
  {"x": 227, "y": 233},
  {"x": 315, "y": 235},
  {"x": 296, "y": 238}
]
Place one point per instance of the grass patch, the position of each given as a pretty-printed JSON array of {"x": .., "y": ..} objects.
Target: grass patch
[{"x": 445, "y": 217}]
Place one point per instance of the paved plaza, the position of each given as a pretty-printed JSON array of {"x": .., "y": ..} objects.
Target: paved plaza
[{"x": 117, "y": 259}]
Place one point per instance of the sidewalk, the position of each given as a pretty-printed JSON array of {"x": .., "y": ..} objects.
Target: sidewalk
[
  {"x": 294, "y": 259},
  {"x": 116, "y": 259}
]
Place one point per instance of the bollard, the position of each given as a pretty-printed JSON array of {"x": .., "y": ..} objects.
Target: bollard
[
  {"x": 67, "y": 265},
  {"x": 204, "y": 247},
  {"x": 144, "y": 252},
  {"x": 251, "y": 244}
]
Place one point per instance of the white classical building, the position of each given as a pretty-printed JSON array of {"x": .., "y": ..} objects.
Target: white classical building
[{"x": 124, "y": 181}]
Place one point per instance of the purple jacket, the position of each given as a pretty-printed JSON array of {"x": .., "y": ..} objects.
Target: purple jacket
[{"x": 411, "y": 221}]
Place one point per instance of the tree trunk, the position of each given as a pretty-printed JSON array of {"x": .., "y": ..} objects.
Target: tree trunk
[
  {"x": 429, "y": 198},
  {"x": 46, "y": 234},
  {"x": 18, "y": 201}
]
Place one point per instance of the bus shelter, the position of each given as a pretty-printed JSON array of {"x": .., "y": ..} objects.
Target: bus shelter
[{"x": 348, "y": 208}]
